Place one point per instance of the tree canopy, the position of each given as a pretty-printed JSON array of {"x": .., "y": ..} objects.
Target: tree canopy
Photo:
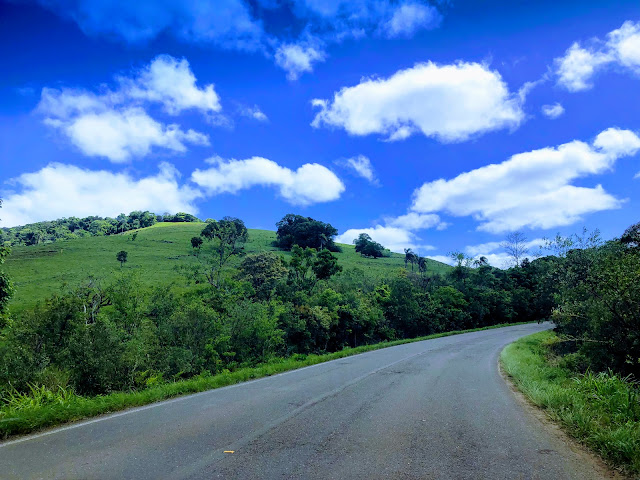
[
  {"x": 305, "y": 232},
  {"x": 366, "y": 247}
]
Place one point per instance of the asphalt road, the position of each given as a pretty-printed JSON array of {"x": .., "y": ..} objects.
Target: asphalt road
[{"x": 426, "y": 410}]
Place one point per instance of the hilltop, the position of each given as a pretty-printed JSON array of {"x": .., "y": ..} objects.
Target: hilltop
[{"x": 39, "y": 271}]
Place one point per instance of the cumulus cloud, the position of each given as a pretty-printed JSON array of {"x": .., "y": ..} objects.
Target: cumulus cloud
[
  {"x": 576, "y": 69},
  {"x": 393, "y": 238},
  {"x": 448, "y": 102},
  {"x": 398, "y": 233},
  {"x": 311, "y": 183},
  {"x": 532, "y": 189},
  {"x": 297, "y": 59},
  {"x": 171, "y": 82},
  {"x": 60, "y": 190},
  {"x": 552, "y": 111},
  {"x": 362, "y": 167},
  {"x": 114, "y": 124}
]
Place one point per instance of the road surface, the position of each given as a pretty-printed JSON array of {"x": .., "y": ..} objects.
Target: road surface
[{"x": 436, "y": 409}]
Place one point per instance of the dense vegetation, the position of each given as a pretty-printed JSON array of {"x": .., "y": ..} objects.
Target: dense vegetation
[
  {"x": 599, "y": 301},
  {"x": 198, "y": 299},
  {"x": 243, "y": 308},
  {"x": 73, "y": 227}
]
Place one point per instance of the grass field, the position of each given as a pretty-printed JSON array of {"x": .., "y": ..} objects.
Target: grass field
[
  {"x": 600, "y": 410},
  {"x": 39, "y": 271}
]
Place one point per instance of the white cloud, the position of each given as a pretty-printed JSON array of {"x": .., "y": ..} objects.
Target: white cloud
[
  {"x": 495, "y": 254},
  {"x": 415, "y": 221},
  {"x": 532, "y": 189},
  {"x": 114, "y": 124},
  {"x": 448, "y": 102},
  {"x": 552, "y": 111},
  {"x": 442, "y": 259},
  {"x": 576, "y": 69},
  {"x": 410, "y": 17},
  {"x": 311, "y": 183},
  {"x": 254, "y": 112},
  {"x": 60, "y": 190},
  {"x": 395, "y": 239},
  {"x": 361, "y": 165},
  {"x": 397, "y": 233},
  {"x": 297, "y": 59},
  {"x": 120, "y": 135},
  {"x": 170, "y": 82},
  {"x": 617, "y": 142},
  {"x": 482, "y": 249}
]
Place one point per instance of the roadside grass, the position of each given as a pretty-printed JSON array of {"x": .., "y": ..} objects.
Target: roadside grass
[
  {"x": 39, "y": 271},
  {"x": 600, "y": 410},
  {"x": 41, "y": 408}
]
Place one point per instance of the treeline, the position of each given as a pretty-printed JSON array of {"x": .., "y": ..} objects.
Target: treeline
[
  {"x": 73, "y": 227},
  {"x": 598, "y": 313},
  {"x": 100, "y": 338}
]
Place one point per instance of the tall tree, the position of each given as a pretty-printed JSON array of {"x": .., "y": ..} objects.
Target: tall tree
[
  {"x": 227, "y": 237},
  {"x": 515, "y": 246},
  {"x": 6, "y": 287}
]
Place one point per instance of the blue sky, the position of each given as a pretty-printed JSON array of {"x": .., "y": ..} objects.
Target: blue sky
[{"x": 440, "y": 126}]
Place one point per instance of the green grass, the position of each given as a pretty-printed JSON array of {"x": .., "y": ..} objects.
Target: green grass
[
  {"x": 40, "y": 408},
  {"x": 600, "y": 410},
  {"x": 39, "y": 271}
]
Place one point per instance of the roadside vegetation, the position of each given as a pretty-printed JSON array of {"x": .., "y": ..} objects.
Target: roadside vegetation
[
  {"x": 601, "y": 410},
  {"x": 585, "y": 374},
  {"x": 235, "y": 305}
]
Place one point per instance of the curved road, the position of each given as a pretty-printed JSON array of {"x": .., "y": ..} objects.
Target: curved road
[{"x": 425, "y": 410}]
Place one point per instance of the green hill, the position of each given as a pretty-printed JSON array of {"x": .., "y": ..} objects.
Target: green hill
[{"x": 39, "y": 271}]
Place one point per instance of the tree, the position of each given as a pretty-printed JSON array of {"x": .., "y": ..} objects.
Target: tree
[
  {"x": 409, "y": 257},
  {"x": 515, "y": 245},
  {"x": 307, "y": 267},
  {"x": 422, "y": 265},
  {"x": 366, "y": 247},
  {"x": 325, "y": 265},
  {"x": 227, "y": 237},
  {"x": 6, "y": 287},
  {"x": 196, "y": 242},
  {"x": 264, "y": 271},
  {"x": 305, "y": 232},
  {"x": 121, "y": 256}
]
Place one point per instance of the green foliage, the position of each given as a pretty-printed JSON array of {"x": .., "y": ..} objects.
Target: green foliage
[
  {"x": 6, "y": 288},
  {"x": 599, "y": 293},
  {"x": 601, "y": 410},
  {"x": 264, "y": 271},
  {"x": 227, "y": 238},
  {"x": 196, "y": 242},
  {"x": 73, "y": 227},
  {"x": 366, "y": 247},
  {"x": 306, "y": 233},
  {"x": 121, "y": 256}
]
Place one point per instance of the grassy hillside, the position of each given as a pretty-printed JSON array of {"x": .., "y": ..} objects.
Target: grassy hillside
[{"x": 38, "y": 271}]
